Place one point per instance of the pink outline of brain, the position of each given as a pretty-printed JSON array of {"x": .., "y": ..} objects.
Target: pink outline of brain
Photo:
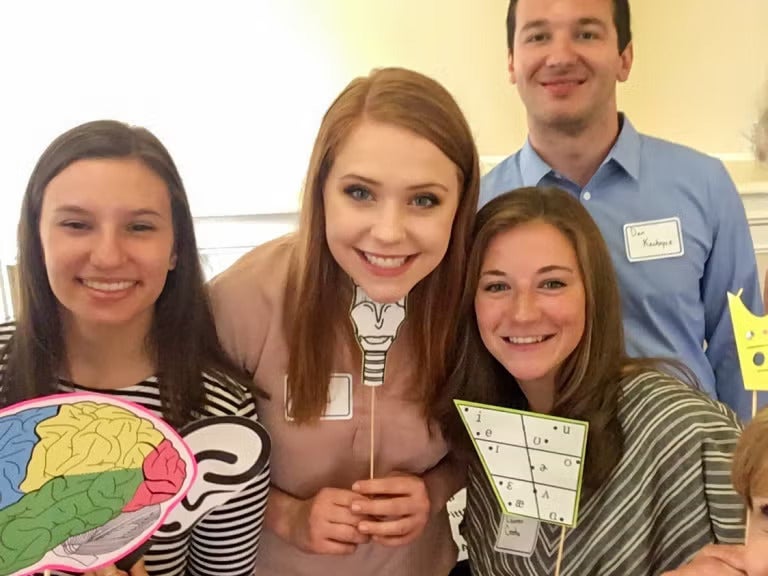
[{"x": 93, "y": 481}]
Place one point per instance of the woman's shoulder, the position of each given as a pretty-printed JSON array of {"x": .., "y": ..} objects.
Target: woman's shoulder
[
  {"x": 262, "y": 266},
  {"x": 659, "y": 400},
  {"x": 248, "y": 298},
  {"x": 225, "y": 396},
  {"x": 7, "y": 329}
]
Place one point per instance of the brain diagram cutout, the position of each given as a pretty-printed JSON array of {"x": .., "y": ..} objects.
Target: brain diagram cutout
[
  {"x": 225, "y": 469},
  {"x": 84, "y": 480}
]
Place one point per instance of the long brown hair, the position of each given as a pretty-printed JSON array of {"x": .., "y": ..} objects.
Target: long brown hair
[
  {"x": 182, "y": 338},
  {"x": 587, "y": 385},
  {"x": 319, "y": 292}
]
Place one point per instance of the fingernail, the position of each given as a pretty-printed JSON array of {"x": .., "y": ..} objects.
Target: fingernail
[
  {"x": 363, "y": 527},
  {"x": 355, "y": 507},
  {"x": 356, "y": 486}
]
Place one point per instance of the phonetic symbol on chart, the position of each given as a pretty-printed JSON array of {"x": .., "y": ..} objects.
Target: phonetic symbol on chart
[{"x": 534, "y": 461}]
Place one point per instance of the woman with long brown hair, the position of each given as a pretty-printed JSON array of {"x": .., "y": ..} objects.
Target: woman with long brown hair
[
  {"x": 389, "y": 200},
  {"x": 112, "y": 300},
  {"x": 541, "y": 330}
]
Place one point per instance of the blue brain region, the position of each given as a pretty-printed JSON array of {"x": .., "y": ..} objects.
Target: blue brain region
[
  {"x": 17, "y": 441},
  {"x": 80, "y": 480}
]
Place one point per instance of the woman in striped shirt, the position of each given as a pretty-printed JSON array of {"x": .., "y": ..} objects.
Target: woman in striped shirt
[
  {"x": 750, "y": 478},
  {"x": 544, "y": 333},
  {"x": 112, "y": 300}
]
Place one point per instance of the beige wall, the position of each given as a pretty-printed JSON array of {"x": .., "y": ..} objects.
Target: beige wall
[
  {"x": 700, "y": 65},
  {"x": 700, "y": 70},
  {"x": 237, "y": 93}
]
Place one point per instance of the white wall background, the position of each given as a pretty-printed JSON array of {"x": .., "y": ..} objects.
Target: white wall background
[{"x": 236, "y": 88}]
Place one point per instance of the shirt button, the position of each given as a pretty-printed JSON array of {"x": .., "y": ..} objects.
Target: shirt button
[{"x": 586, "y": 195}]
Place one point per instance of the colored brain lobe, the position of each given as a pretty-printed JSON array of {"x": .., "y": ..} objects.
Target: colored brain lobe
[{"x": 85, "y": 479}]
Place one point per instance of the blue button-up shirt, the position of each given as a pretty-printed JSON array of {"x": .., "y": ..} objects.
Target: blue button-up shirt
[{"x": 674, "y": 299}]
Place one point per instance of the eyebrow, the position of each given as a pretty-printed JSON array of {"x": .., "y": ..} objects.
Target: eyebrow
[
  {"x": 543, "y": 270},
  {"x": 533, "y": 24},
  {"x": 492, "y": 273},
  {"x": 373, "y": 182},
  {"x": 592, "y": 21},
  {"x": 586, "y": 21},
  {"x": 555, "y": 268},
  {"x": 73, "y": 209}
]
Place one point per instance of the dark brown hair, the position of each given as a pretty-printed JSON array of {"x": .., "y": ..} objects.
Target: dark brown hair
[
  {"x": 319, "y": 292},
  {"x": 621, "y": 19}
]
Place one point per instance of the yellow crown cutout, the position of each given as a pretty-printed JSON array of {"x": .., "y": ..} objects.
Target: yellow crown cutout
[{"x": 751, "y": 335}]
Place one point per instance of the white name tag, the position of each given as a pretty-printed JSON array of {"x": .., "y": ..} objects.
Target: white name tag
[
  {"x": 340, "y": 403},
  {"x": 517, "y": 535},
  {"x": 653, "y": 239}
]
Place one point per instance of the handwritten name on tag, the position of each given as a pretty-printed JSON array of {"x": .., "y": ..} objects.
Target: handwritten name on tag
[
  {"x": 653, "y": 239},
  {"x": 517, "y": 535}
]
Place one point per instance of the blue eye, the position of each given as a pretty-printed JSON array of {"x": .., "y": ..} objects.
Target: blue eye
[
  {"x": 357, "y": 192},
  {"x": 426, "y": 201},
  {"x": 553, "y": 284}
]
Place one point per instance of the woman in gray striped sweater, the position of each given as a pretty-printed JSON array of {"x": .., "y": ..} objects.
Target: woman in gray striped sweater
[{"x": 543, "y": 332}]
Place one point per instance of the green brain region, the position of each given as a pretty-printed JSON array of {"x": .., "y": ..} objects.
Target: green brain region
[{"x": 78, "y": 481}]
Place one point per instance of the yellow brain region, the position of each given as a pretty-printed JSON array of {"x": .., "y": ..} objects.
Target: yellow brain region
[
  {"x": 89, "y": 437},
  {"x": 751, "y": 335}
]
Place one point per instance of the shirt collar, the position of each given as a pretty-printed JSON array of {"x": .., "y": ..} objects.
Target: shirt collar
[
  {"x": 626, "y": 149},
  {"x": 625, "y": 153}
]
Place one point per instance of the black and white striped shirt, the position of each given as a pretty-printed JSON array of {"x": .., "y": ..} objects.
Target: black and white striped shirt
[
  {"x": 669, "y": 495},
  {"x": 226, "y": 541}
]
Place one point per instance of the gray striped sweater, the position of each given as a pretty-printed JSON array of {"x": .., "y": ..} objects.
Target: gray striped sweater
[{"x": 669, "y": 495}]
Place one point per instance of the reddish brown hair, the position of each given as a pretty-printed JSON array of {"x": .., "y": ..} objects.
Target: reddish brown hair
[{"x": 319, "y": 291}]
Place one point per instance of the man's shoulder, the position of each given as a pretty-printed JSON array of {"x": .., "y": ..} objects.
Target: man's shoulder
[
  {"x": 658, "y": 150},
  {"x": 502, "y": 177}
]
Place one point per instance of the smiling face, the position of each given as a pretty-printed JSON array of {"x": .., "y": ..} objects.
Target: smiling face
[
  {"x": 390, "y": 200},
  {"x": 530, "y": 304},
  {"x": 108, "y": 243},
  {"x": 565, "y": 61}
]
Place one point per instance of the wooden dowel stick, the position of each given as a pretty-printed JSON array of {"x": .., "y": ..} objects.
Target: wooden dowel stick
[{"x": 560, "y": 552}]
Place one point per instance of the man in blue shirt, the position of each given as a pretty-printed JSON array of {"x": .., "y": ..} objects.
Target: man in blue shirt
[{"x": 671, "y": 216}]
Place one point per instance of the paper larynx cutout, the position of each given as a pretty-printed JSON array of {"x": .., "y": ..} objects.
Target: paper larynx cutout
[
  {"x": 86, "y": 478},
  {"x": 231, "y": 452},
  {"x": 533, "y": 461},
  {"x": 751, "y": 335},
  {"x": 376, "y": 327}
]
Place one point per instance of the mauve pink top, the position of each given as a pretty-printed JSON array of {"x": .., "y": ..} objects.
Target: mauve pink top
[{"x": 248, "y": 301}]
